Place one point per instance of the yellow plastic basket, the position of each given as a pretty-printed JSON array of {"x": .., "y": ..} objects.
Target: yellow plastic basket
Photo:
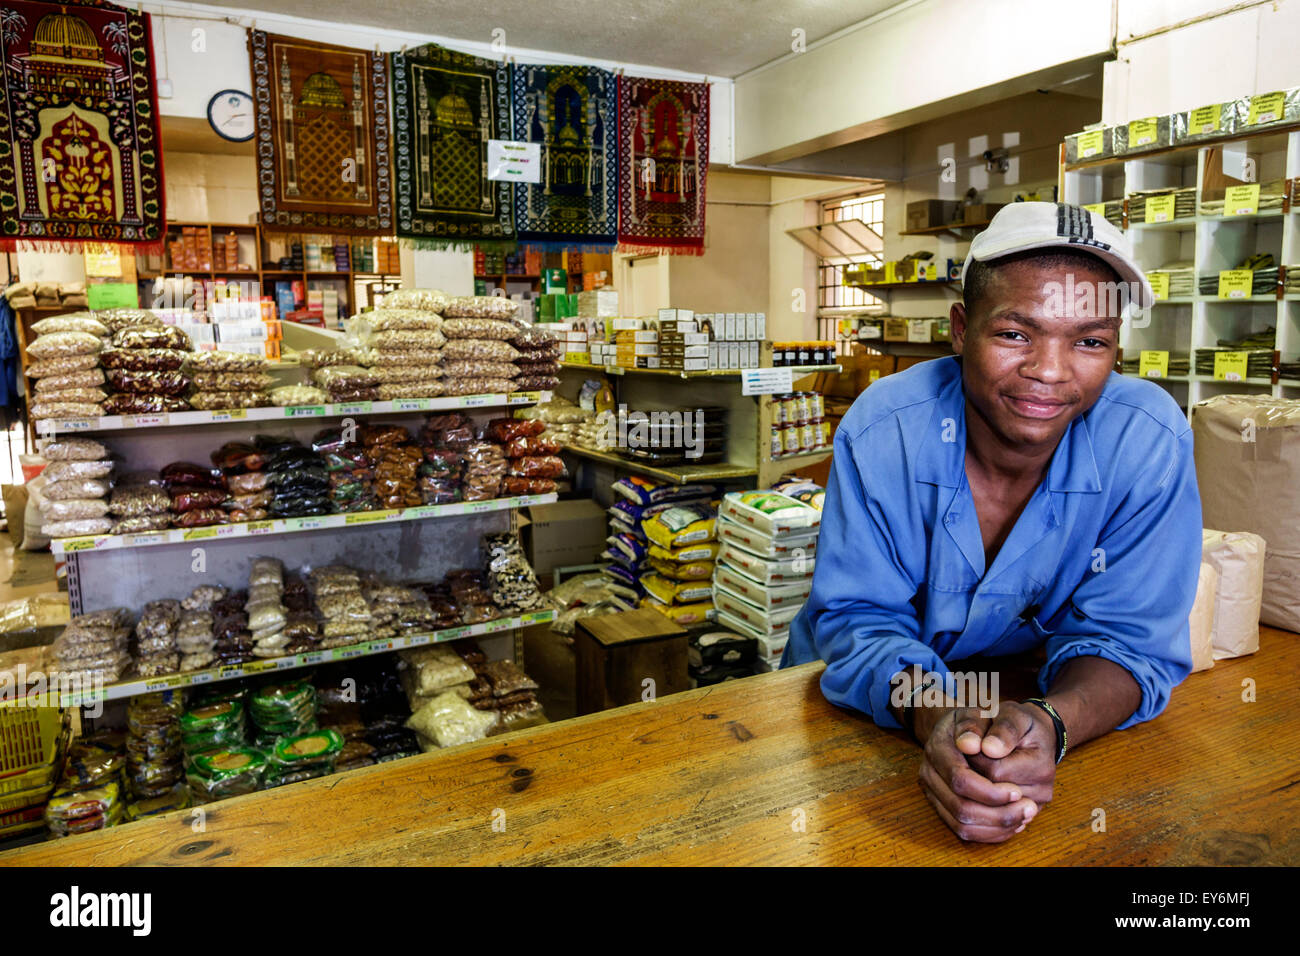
[{"x": 29, "y": 737}]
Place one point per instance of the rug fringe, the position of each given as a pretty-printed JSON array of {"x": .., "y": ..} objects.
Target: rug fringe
[{"x": 636, "y": 249}]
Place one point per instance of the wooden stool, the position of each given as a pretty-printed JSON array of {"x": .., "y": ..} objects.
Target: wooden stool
[{"x": 617, "y": 652}]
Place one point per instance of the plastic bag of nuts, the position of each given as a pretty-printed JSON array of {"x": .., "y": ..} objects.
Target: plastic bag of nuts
[
  {"x": 320, "y": 358},
  {"x": 63, "y": 365},
  {"x": 215, "y": 401},
  {"x": 167, "y": 337},
  {"x": 478, "y": 385},
  {"x": 464, "y": 368},
  {"x": 143, "y": 360},
  {"x": 73, "y": 322},
  {"x": 219, "y": 361},
  {"x": 392, "y": 320},
  {"x": 147, "y": 383},
  {"x": 117, "y": 319},
  {"x": 85, "y": 378},
  {"x": 482, "y": 327},
  {"x": 344, "y": 377},
  {"x": 287, "y": 395},
  {"x": 481, "y": 307},
  {"x": 422, "y": 339},
  {"x": 393, "y": 374},
  {"x": 231, "y": 381},
  {"x": 479, "y": 350},
  {"x": 55, "y": 344},
  {"x": 127, "y": 403},
  {"x": 429, "y": 388},
  {"x": 61, "y": 411},
  {"x": 406, "y": 357},
  {"x": 426, "y": 300}
]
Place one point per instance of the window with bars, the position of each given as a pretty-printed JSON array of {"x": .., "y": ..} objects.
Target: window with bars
[{"x": 831, "y": 292}]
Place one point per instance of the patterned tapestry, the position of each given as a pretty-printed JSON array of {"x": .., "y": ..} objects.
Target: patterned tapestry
[
  {"x": 79, "y": 146},
  {"x": 571, "y": 112},
  {"x": 663, "y": 161},
  {"x": 322, "y": 136},
  {"x": 446, "y": 106}
]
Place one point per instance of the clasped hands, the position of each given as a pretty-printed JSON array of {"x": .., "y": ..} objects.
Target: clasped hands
[{"x": 987, "y": 777}]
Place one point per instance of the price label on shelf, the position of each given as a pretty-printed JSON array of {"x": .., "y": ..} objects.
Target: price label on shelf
[
  {"x": 310, "y": 524},
  {"x": 230, "y": 415},
  {"x": 354, "y": 408},
  {"x": 1266, "y": 108},
  {"x": 1153, "y": 363},
  {"x": 347, "y": 653},
  {"x": 1241, "y": 200},
  {"x": 163, "y": 683},
  {"x": 145, "y": 539},
  {"x": 523, "y": 398},
  {"x": 1097, "y": 208},
  {"x": 230, "y": 670},
  {"x": 366, "y": 517},
  {"x": 1159, "y": 284},
  {"x": 144, "y": 421},
  {"x": 1235, "y": 283},
  {"x": 1160, "y": 208},
  {"x": 202, "y": 677},
  {"x": 453, "y": 633},
  {"x": 313, "y": 657},
  {"x": 1230, "y": 366},
  {"x": 766, "y": 381},
  {"x": 304, "y": 411},
  {"x": 1143, "y": 132},
  {"x": 260, "y": 527},
  {"x": 195, "y": 534},
  {"x": 1204, "y": 120},
  {"x": 77, "y": 425},
  {"x": 418, "y": 640},
  {"x": 82, "y": 544},
  {"x": 411, "y": 404},
  {"x": 475, "y": 401},
  {"x": 1091, "y": 143}
]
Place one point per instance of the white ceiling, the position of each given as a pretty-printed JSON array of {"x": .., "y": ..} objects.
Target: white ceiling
[{"x": 718, "y": 37}]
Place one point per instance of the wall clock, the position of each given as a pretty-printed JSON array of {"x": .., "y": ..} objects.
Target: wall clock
[{"x": 230, "y": 114}]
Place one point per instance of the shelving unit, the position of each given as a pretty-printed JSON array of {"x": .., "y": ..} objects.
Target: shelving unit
[
  {"x": 419, "y": 543},
  {"x": 1211, "y": 243},
  {"x": 749, "y": 422},
  {"x": 120, "y": 690}
]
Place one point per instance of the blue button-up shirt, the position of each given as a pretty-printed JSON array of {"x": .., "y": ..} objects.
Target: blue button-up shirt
[{"x": 1102, "y": 562}]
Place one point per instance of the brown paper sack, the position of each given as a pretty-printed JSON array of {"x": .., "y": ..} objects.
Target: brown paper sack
[
  {"x": 1201, "y": 621},
  {"x": 1238, "y": 556},
  {"x": 1248, "y": 472}
]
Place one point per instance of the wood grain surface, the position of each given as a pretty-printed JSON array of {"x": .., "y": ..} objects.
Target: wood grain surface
[{"x": 722, "y": 775}]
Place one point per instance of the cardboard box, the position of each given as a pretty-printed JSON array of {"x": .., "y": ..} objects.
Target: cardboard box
[
  {"x": 598, "y": 305},
  {"x": 918, "y": 330},
  {"x": 647, "y": 361},
  {"x": 981, "y": 212},
  {"x": 693, "y": 338},
  {"x": 627, "y": 325},
  {"x": 668, "y": 326},
  {"x": 925, "y": 213},
  {"x": 866, "y": 369},
  {"x": 696, "y": 351},
  {"x": 636, "y": 338},
  {"x": 762, "y": 327},
  {"x": 675, "y": 315},
  {"x": 695, "y": 365},
  {"x": 895, "y": 330},
  {"x": 562, "y": 534},
  {"x": 713, "y": 355}
]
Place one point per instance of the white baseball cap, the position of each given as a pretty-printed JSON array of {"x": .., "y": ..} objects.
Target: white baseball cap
[{"x": 1021, "y": 226}]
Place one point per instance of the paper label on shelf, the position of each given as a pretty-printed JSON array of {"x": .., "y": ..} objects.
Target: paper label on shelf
[
  {"x": 1204, "y": 120},
  {"x": 313, "y": 657},
  {"x": 310, "y": 524},
  {"x": 411, "y": 404},
  {"x": 145, "y": 539},
  {"x": 256, "y": 667},
  {"x": 347, "y": 653},
  {"x": 112, "y": 295},
  {"x": 202, "y": 677},
  {"x": 1235, "y": 283},
  {"x": 873, "y": 375},
  {"x": 523, "y": 398},
  {"x": 196, "y": 534},
  {"x": 260, "y": 527},
  {"x": 1099, "y": 208},
  {"x": 1266, "y": 108},
  {"x": 1091, "y": 143},
  {"x": 766, "y": 381},
  {"x": 452, "y": 633},
  {"x": 304, "y": 411},
  {"x": 514, "y": 160},
  {"x": 353, "y": 408},
  {"x": 144, "y": 421},
  {"x": 365, "y": 517},
  {"x": 74, "y": 425},
  {"x": 1241, "y": 200},
  {"x": 418, "y": 640},
  {"x": 476, "y": 401},
  {"x": 230, "y": 415},
  {"x": 1143, "y": 132},
  {"x": 1153, "y": 363},
  {"x": 230, "y": 670},
  {"x": 1159, "y": 284},
  {"x": 1160, "y": 208},
  {"x": 1230, "y": 366},
  {"x": 163, "y": 683},
  {"x": 82, "y": 544}
]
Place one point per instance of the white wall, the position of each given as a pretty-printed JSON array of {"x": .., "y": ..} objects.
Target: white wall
[
  {"x": 1226, "y": 54},
  {"x": 905, "y": 66}
]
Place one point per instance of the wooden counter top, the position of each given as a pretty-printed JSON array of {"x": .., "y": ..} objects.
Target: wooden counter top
[{"x": 716, "y": 775}]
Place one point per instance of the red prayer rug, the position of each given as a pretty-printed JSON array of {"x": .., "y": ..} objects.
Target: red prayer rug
[
  {"x": 663, "y": 163},
  {"x": 80, "y": 154}
]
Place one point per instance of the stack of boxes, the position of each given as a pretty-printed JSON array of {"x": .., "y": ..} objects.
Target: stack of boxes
[
  {"x": 698, "y": 341},
  {"x": 765, "y": 566},
  {"x": 916, "y": 330}
]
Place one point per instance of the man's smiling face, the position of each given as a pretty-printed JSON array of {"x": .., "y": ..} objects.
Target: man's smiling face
[{"x": 1030, "y": 366}]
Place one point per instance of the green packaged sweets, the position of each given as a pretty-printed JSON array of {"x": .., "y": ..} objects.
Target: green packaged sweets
[{"x": 320, "y": 745}]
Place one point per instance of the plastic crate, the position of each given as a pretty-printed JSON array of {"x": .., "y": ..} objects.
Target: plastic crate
[
  {"x": 29, "y": 737},
  {"x": 31, "y": 795},
  {"x": 22, "y": 821}
]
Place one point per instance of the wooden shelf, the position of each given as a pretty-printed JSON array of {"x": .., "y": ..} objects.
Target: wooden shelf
[
  {"x": 1178, "y": 148},
  {"x": 677, "y": 474},
  {"x": 797, "y": 370},
  {"x": 950, "y": 284},
  {"x": 954, "y": 227}
]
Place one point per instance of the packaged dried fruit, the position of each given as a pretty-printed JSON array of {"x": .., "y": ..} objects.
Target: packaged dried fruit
[
  {"x": 143, "y": 360},
  {"x": 147, "y": 383},
  {"x": 126, "y": 403},
  {"x": 167, "y": 337},
  {"x": 55, "y": 344}
]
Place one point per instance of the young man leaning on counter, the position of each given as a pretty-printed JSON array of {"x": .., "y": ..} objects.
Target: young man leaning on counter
[{"x": 1020, "y": 494}]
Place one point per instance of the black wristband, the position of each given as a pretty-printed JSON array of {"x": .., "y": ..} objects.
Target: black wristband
[{"x": 1057, "y": 723}]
